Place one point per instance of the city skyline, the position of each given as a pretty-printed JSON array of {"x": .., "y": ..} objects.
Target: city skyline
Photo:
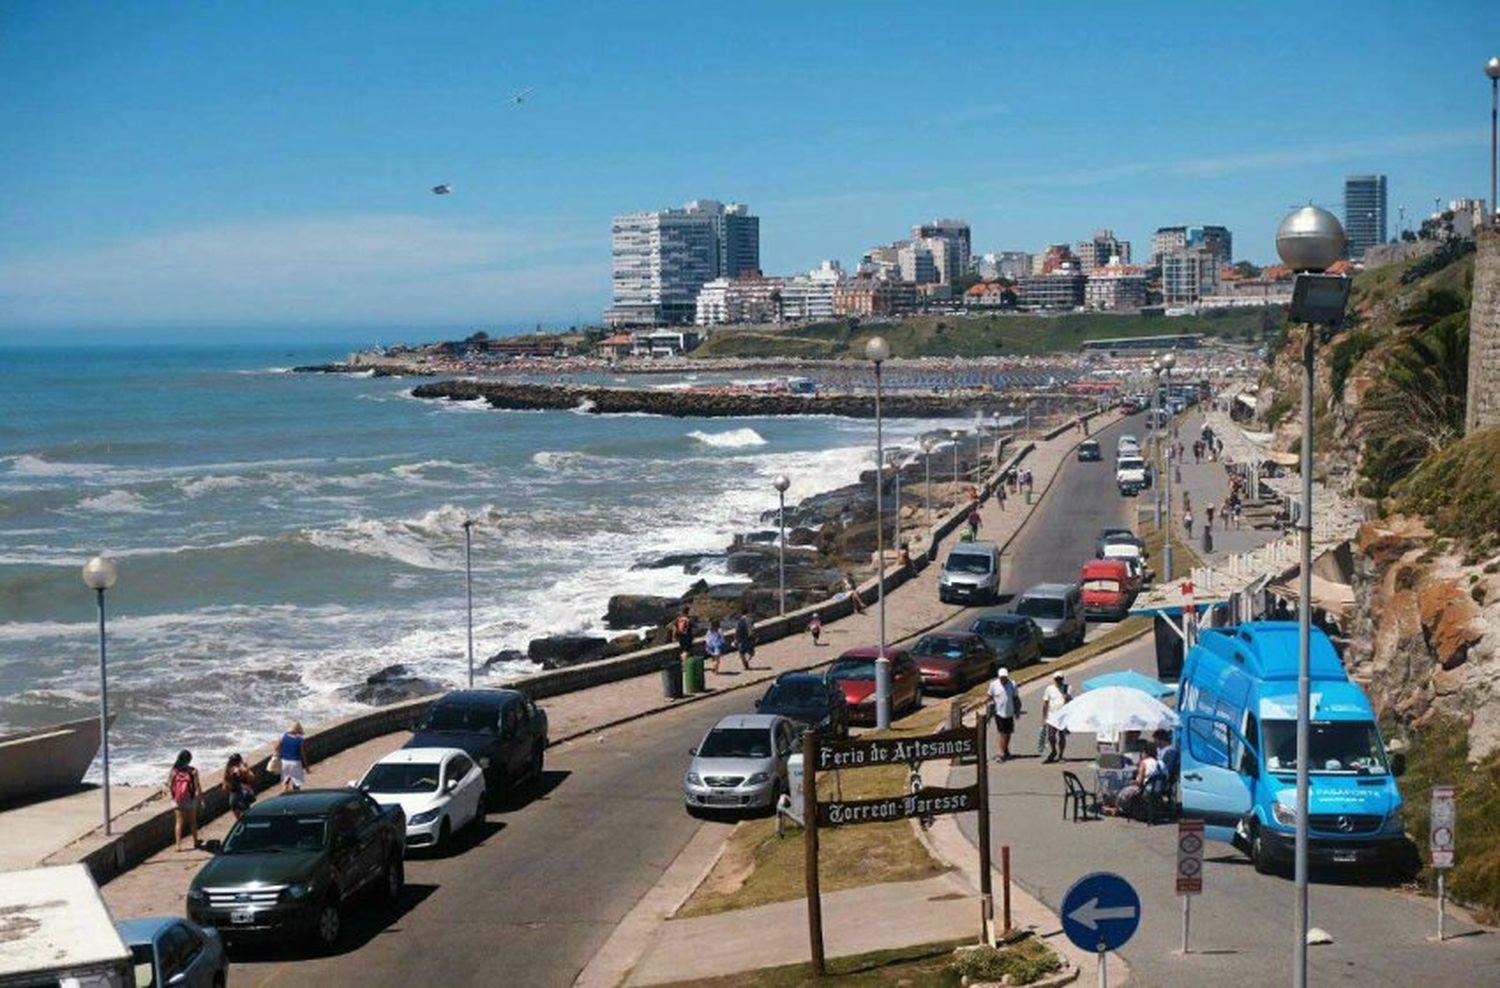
[{"x": 221, "y": 169}]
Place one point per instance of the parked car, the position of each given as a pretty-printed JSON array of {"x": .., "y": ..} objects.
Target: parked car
[
  {"x": 854, "y": 672},
  {"x": 1057, "y": 608},
  {"x": 810, "y": 700},
  {"x": 1089, "y": 451},
  {"x": 1130, "y": 554},
  {"x": 1109, "y": 535},
  {"x": 170, "y": 950},
  {"x": 291, "y": 865},
  {"x": 502, "y": 730},
  {"x": 1014, "y": 638},
  {"x": 1127, "y": 445},
  {"x": 1108, "y": 589},
  {"x": 971, "y": 574},
  {"x": 441, "y": 791},
  {"x": 740, "y": 763},
  {"x": 1130, "y": 474},
  {"x": 950, "y": 661}
]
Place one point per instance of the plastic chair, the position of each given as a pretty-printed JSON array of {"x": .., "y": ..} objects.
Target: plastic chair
[{"x": 1084, "y": 802}]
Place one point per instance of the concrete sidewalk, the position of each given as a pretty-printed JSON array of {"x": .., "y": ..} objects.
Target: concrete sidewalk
[{"x": 159, "y": 883}]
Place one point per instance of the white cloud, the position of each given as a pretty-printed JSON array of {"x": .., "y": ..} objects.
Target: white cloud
[{"x": 376, "y": 269}]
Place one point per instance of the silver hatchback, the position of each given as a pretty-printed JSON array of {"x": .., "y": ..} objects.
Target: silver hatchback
[{"x": 740, "y": 764}]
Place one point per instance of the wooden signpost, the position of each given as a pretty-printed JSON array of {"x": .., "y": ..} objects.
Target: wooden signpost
[{"x": 821, "y": 755}]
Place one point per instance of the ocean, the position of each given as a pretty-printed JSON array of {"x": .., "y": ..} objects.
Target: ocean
[{"x": 282, "y": 536}]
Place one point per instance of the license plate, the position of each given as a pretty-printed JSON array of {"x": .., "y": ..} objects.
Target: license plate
[
  {"x": 1344, "y": 857},
  {"x": 239, "y": 916},
  {"x": 723, "y": 800}
]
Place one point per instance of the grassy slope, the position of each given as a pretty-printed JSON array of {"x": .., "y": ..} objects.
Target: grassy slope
[{"x": 948, "y": 335}]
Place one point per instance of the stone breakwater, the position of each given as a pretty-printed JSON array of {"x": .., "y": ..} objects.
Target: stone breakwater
[{"x": 702, "y": 403}]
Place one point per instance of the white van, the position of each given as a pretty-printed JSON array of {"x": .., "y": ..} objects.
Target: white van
[{"x": 971, "y": 574}]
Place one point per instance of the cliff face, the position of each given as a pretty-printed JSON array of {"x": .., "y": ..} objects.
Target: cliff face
[{"x": 1425, "y": 639}]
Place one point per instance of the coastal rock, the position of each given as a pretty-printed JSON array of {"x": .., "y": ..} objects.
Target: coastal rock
[
  {"x": 560, "y": 651},
  {"x": 390, "y": 685},
  {"x": 802, "y": 535},
  {"x": 505, "y": 655},
  {"x": 633, "y": 610},
  {"x": 689, "y": 562}
]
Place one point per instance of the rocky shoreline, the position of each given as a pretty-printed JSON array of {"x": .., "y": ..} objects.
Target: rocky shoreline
[{"x": 702, "y": 402}]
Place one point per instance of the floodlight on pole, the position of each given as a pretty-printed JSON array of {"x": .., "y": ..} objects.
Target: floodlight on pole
[
  {"x": 878, "y": 351},
  {"x": 99, "y": 574}
]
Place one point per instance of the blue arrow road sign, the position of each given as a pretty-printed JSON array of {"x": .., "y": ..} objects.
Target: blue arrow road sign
[{"x": 1101, "y": 912}]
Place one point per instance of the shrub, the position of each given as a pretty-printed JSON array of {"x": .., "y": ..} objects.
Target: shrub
[
  {"x": 1458, "y": 489},
  {"x": 1346, "y": 353},
  {"x": 1024, "y": 961}
]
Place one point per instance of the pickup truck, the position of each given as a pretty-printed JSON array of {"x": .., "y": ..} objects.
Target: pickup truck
[{"x": 292, "y": 864}]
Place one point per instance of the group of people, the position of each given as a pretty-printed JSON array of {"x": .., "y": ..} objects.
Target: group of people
[
  {"x": 184, "y": 786},
  {"x": 1005, "y": 700},
  {"x": 715, "y": 644},
  {"x": 1153, "y": 774}
]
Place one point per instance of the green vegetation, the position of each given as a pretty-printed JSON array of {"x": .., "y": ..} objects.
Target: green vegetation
[
  {"x": 1346, "y": 353},
  {"x": 977, "y": 335},
  {"x": 1438, "y": 755},
  {"x": 1458, "y": 489},
  {"x": 1022, "y": 960}
]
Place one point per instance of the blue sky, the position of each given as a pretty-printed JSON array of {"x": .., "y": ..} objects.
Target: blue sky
[{"x": 198, "y": 170}]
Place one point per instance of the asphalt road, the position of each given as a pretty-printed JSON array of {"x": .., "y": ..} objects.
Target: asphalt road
[{"x": 534, "y": 896}]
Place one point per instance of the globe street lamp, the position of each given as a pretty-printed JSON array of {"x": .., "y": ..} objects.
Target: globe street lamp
[
  {"x": 954, "y": 433},
  {"x": 1168, "y": 361},
  {"x": 1492, "y": 69},
  {"x": 100, "y": 574},
  {"x": 1309, "y": 241},
  {"x": 878, "y": 351},
  {"x": 927, "y": 469},
  {"x": 781, "y": 483},
  {"x": 469, "y": 591}
]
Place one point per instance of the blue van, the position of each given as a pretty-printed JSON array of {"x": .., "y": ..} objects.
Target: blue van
[{"x": 1238, "y": 744}]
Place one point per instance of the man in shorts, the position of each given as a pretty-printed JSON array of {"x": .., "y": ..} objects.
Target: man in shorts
[
  {"x": 1053, "y": 699},
  {"x": 744, "y": 638},
  {"x": 1007, "y": 706}
]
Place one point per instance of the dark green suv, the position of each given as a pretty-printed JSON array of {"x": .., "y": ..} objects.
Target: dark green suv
[{"x": 291, "y": 865}]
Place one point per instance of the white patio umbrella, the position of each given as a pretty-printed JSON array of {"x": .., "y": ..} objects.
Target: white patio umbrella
[{"x": 1110, "y": 710}]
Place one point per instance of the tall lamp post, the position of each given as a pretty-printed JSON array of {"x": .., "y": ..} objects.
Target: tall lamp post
[
  {"x": 927, "y": 467},
  {"x": 878, "y": 351},
  {"x": 469, "y": 591},
  {"x": 1156, "y": 439},
  {"x": 1309, "y": 240},
  {"x": 1168, "y": 361},
  {"x": 1492, "y": 69},
  {"x": 100, "y": 574},
  {"x": 781, "y": 483},
  {"x": 955, "y": 434}
]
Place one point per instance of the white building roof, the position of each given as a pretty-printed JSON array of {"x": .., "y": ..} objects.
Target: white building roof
[{"x": 68, "y": 926}]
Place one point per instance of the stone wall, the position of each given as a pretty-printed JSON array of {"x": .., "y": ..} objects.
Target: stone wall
[{"x": 1484, "y": 334}]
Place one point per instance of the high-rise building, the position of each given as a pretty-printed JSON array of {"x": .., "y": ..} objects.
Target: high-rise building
[
  {"x": 1096, "y": 253},
  {"x": 1115, "y": 286},
  {"x": 1364, "y": 213},
  {"x": 957, "y": 245},
  {"x": 1189, "y": 274},
  {"x": 662, "y": 259},
  {"x": 1170, "y": 239},
  {"x": 1008, "y": 264}
]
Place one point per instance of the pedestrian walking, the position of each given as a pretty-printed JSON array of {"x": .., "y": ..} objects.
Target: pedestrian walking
[
  {"x": 1187, "y": 522},
  {"x": 239, "y": 783},
  {"x": 184, "y": 787},
  {"x": 1053, "y": 698},
  {"x": 682, "y": 632},
  {"x": 1000, "y": 495},
  {"x": 714, "y": 645},
  {"x": 744, "y": 638},
  {"x": 974, "y": 522},
  {"x": 288, "y": 758},
  {"x": 815, "y": 628},
  {"x": 1225, "y": 510},
  {"x": 1007, "y": 706},
  {"x": 1208, "y": 516}
]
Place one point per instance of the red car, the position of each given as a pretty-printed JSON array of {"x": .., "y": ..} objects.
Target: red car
[
  {"x": 950, "y": 661},
  {"x": 854, "y": 672}
]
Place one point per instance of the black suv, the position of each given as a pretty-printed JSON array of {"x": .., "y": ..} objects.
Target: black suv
[
  {"x": 502, "y": 730},
  {"x": 811, "y": 700},
  {"x": 291, "y": 865}
]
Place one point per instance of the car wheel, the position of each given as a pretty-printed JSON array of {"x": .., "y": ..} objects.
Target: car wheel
[
  {"x": 444, "y": 835},
  {"x": 329, "y": 922},
  {"x": 1260, "y": 855},
  {"x": 395, "y": 873}
]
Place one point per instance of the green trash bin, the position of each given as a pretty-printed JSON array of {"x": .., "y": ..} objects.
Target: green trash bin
[{"x": 692, "y": 674}]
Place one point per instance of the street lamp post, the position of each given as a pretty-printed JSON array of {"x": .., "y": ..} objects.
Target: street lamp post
[
  {"x": 1492, "y": 69},
  {"x": 100, "y": 574},
  {"x": 955, "y": 434},
  {"x": 1156, "y": 439},
  {"x": 877, "y": 351},
  {"x": 781, "y": 483},
  {"x": 469, "y": 591},
  {"x": 927, "y": 469},
  {"x": 896, "y": 466},
  {"x": 1168, "y": 361},
  {"x": 1308, "y": 240}
]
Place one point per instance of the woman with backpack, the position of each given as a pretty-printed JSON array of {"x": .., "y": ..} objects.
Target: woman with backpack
[{"x": 184, "y": 788}]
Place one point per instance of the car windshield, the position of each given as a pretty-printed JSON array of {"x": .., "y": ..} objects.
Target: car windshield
[
  {"x": 404, "y": 777},
  {"x": 460, "y": 718},
  {"x": 968, "y": 562},
  {"x": 1132, "y": 463},
  {"x": 804, "y": 693},
  {"x": 736, "y": 742},
  {"x": 940, "y": 645},
  {"x": 853, "y": 669},
  {"x": 1040, "y": 607},
  {"x": 997, "y": 629},
  {"x": 1341, "y": 747},
  {"x": 1102, "y": 586},
  {"x": 272, "y": 834}
]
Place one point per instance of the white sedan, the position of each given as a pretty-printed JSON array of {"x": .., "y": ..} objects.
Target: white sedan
[{"x": 441, "y": 791}]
